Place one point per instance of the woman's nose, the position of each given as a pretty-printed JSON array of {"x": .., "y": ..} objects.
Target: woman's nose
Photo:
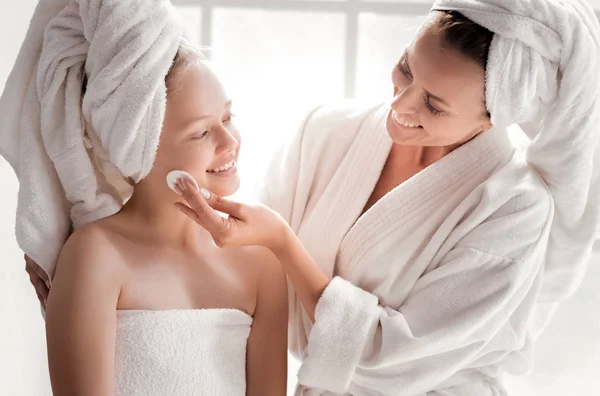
[{"x": 406, "y": 100}]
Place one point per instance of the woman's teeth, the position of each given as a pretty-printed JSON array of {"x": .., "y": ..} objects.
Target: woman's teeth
[
  {"x": 223, "y": 168},
  {"x": 402, "y": 121}
]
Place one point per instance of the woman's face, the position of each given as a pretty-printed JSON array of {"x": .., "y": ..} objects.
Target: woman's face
[
  {"x": 438, "y": 95},
  {"x": 198, "y": 134}
]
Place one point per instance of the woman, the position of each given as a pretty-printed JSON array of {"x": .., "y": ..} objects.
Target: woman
[{"x": 424, "y": 252}]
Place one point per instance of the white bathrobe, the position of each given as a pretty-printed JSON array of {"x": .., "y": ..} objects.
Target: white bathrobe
[{"x": 433, "y": 287}]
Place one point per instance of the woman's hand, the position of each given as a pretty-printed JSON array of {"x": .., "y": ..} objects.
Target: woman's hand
[
  {"x": 38, "y": 279},
  {"x": 257, "y": 225},
  {"x": 246, "y": 224}
]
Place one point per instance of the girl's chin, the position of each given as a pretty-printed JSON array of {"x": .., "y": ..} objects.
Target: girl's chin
[{"x": 224, "y": 187}]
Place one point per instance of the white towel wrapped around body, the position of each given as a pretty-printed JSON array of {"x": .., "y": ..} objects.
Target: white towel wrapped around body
[
  {"x": 53, "y": 135},
  {"x": 187, "y": 352},
  {"x": 542, "y": 74}
]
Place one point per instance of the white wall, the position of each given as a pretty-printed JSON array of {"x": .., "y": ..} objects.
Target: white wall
[
  {"x": 568, "y": 352},
  {"x": 23, "y": 367}
]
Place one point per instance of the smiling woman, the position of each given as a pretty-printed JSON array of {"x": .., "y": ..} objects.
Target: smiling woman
[{"x": 420, "y": 114}]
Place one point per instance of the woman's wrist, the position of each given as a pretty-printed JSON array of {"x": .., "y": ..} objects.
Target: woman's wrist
[
  {"x": 283, "y": 241},
  {"x": 308, "y": 279}
]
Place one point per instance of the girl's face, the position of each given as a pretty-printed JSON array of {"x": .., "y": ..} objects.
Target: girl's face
[{"x": 198, "y": 134}]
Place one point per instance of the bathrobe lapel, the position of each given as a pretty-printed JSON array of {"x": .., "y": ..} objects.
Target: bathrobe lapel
[
  {"x": 341, "y": 203},
  {"x": 411, "y": 224},
  {"x": 413, "y": 221}
]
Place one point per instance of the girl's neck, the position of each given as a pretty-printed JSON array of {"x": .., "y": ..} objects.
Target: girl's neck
[{"x": 154, "y": 212}]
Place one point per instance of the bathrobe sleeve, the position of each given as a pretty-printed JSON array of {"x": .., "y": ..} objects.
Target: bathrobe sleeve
[{"x": 473, "y": 307}]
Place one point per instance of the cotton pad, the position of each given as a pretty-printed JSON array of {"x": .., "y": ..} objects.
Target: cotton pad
[{"x": 173, "y": 176}]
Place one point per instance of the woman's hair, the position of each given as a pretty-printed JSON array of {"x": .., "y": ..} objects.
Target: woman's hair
[
  {"x": 461, "y": 34},
  {"x": 465, "y": 36},
  {"x": 188, "y": 55}
]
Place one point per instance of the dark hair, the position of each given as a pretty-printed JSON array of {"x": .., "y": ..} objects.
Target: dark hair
[
  {"x": 461, "y": 34},
  {"x": 465, "y": 36}
]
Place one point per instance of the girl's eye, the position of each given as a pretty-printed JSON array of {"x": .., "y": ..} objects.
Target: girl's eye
[
  {"x": 228, "y": 119},
  {"x": 201, "y": 136}
]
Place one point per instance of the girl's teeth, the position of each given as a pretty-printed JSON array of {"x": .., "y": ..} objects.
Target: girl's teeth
[{"x": 223, "y": 168}]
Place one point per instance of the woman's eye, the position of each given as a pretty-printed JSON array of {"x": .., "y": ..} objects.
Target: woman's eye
[
  {"x": 403, "y": 68},
  {"x": 229, "y": 119},
  {"x": 430, "y": 107}
]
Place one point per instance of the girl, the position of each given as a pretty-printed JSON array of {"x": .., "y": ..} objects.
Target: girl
[{"x": 144, "y": 302}]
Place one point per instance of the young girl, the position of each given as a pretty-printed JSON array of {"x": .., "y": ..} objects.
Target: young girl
[{"x": 144, "y": 302}]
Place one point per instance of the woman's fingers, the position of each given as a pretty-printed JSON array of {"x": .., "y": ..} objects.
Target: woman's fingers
[
  {"x": 38, "y": 278},
  {"x": 41, "y": 273},
  {"x": 33, "y": 268},
  {"x": 42, "y": 292},
  {"x": 217, "y": 229},
  {"x": 216, "y": 202},
  {"x": 203, "y": 213},
  {"x": 29, "y": 264},
  {"x": 224, "y": 205},
  {"x": 189, "y": 212}
]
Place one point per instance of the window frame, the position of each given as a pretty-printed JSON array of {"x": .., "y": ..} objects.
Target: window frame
[{"x": 350, "y": 8}]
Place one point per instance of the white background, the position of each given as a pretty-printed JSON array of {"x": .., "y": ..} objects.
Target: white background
[{"x": 278, "y": 64}]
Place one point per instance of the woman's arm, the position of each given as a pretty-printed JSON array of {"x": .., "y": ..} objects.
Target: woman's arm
[
  {"x": 267, "y": 345},
  {"x": 459, "y": 316},
  {"x": 473, "y": 310},
  {"x": 307, "y": 278},
  {"x": 258, "y": 225},
  {"x": 81, "y": 317},
  {"x": 471, "y": 313}
]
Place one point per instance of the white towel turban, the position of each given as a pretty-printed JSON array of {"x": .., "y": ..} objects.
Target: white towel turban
[
  {"x": 125, "y": 48},
  {"x": 543, "y": 74}
]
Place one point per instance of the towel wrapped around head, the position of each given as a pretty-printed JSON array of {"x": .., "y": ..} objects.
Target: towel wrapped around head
[
  {"x": 65, "y": 145},
  {"x": 542, "y": 74}
]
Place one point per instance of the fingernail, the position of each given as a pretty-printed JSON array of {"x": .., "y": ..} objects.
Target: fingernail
[
  {"x": 177, "y": 189},
  {"x": 205, "y": 193},
  {"x": 181, "y": 184}
]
